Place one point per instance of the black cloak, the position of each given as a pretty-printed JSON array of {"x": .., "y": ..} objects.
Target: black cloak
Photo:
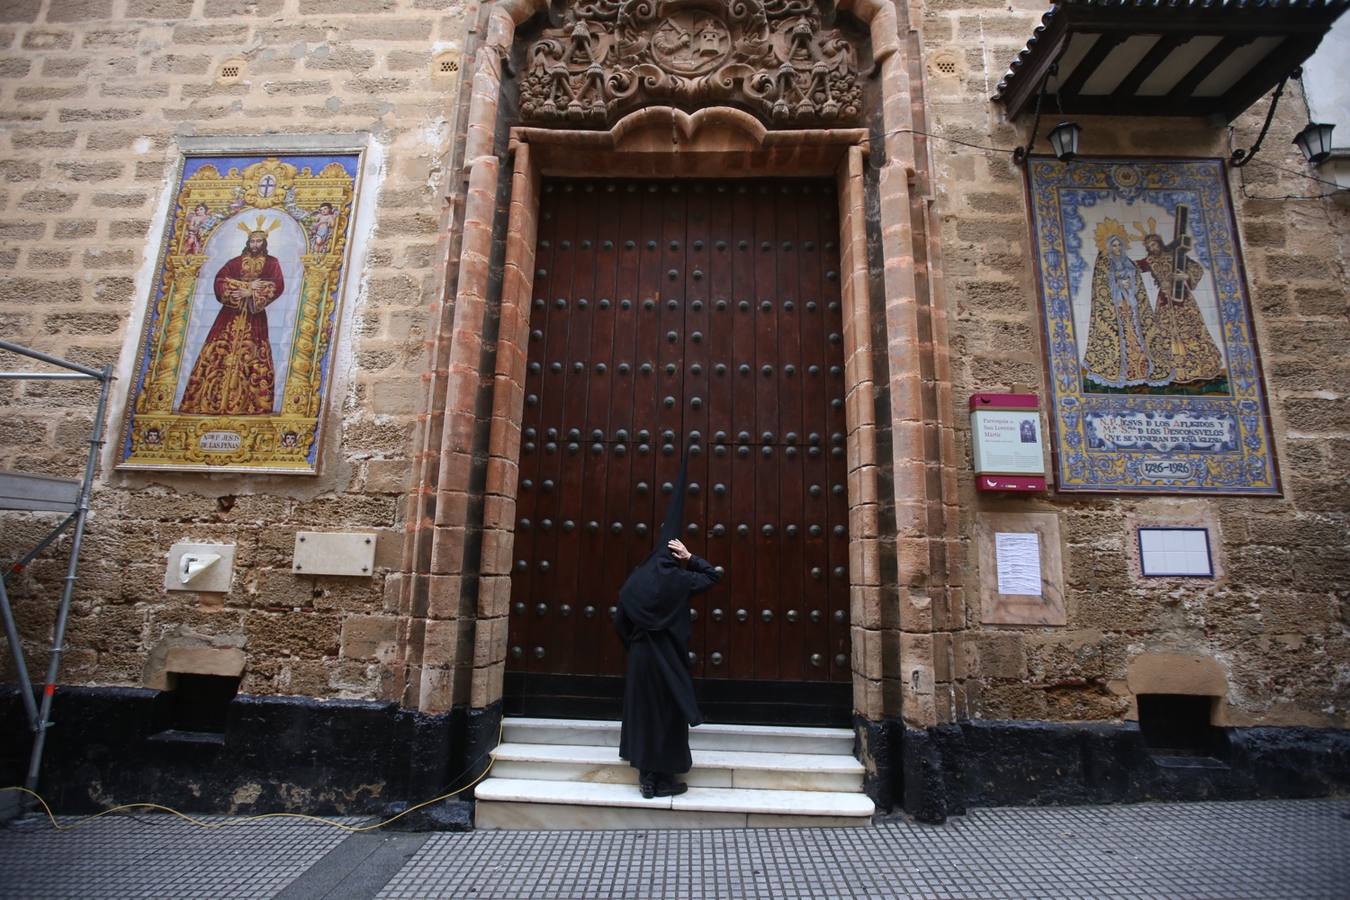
[{"x": 653, "y": 622}]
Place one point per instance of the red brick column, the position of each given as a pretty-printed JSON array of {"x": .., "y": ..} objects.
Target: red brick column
[
  {"x": 508, "y": 408},
  {"x": 860, "y": 412},
  {"x": 894, "y": 648}
]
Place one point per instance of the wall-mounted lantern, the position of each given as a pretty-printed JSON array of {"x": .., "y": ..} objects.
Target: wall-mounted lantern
[
  {"x": 1315, "y": 141},
  {"x": 1064, "y": 140}
]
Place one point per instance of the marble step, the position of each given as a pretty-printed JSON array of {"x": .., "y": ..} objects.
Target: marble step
[
  {"x": 756, "y": 738},
  {"x": 512, "y": 803},
  {"x": 712, "y": 768}
]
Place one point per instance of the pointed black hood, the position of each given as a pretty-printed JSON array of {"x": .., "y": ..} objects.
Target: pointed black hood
[
  {"x": 673, "y": 526},
  {"x": 650, "y": 598}
]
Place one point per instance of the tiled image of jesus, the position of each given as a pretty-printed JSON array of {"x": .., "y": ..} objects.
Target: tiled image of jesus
[{"x": 234, "y": 374}]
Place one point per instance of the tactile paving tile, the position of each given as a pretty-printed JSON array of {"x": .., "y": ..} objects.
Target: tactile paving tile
[
  {"x": 1273, "y": 849},
  {"x": 1212, "y": 850},
  {"x": 159, "y": 856}
]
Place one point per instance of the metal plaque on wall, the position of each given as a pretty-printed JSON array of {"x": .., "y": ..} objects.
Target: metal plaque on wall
[{"x": 1155, "y": 379}]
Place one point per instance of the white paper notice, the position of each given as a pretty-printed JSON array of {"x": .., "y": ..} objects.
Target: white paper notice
[{"x": 1019, "y": 563}]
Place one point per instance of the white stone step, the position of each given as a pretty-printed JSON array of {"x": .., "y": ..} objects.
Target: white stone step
[
  {"x": 712, "y": 768},
  {"x": 568, "y": 805},
  {"x": 758, "y": 738}
]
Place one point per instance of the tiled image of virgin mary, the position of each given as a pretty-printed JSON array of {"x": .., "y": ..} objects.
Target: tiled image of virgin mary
[
  {"x": 1155, "y": 382},
  {"x": 1143, "y": 329}
]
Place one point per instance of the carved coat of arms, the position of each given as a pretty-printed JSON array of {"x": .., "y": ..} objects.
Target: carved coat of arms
[{"x": 772, "y": 57}]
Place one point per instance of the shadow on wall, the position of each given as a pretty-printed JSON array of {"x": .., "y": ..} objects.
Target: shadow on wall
[{"x": 943, "y": 771}]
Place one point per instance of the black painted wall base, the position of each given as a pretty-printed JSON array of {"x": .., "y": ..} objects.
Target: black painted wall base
[
  {"x": 112, "y": 745},
  {"x": 483, "y": 732},
  {"x": 872, "y": 746},
  {"x": 942, "y": 771},
  {"x": 295, "y": 754}
]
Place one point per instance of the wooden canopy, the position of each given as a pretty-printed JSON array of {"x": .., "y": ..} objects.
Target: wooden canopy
[{"x": 1164, "y": 57}]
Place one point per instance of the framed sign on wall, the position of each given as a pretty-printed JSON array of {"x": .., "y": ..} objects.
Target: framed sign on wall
[
  {"x": 235, "y": 357},
  {"x": 1155, "y": 381}
]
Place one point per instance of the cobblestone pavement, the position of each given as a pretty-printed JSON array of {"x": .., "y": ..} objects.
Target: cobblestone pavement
[{"x": 1262, "y": 849}]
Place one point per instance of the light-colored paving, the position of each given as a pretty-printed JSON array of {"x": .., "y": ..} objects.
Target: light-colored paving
[
  {"x": 158, "y": 856},
  {"x": 1275, "y": 849}
]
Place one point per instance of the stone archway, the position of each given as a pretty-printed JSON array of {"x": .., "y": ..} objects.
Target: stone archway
[{"x": 454, "y": 641}]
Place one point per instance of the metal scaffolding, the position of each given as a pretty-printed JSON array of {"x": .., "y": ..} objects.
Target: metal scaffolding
[{"x": 42, "y": 493}]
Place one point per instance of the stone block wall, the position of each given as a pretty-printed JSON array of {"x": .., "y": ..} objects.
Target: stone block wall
[
  {"x": 94, "y": 96},
  {"x": 1275, "y": 618}
]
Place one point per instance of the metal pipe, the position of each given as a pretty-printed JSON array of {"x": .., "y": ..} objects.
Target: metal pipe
[
  {"x": 16, "y": 652},
  {"x": 42, "y": 545},
  {"x": 63, "y": 613},
  {"x": 45, "y": 376},
  {"x": 104, "y": 375},
  {"x": 1241, "y": 157}
]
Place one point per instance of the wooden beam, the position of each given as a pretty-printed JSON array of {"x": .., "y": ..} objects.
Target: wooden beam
[
  {"x": 1091, "y": 60},
  {"x": 1209, "y": 28},
  {"x": 1161, "y": 107},
  {"x": 1217, "y": 54},
  {"x": 1231, "y": 19},
  {"x": 1144, "y": 68},
  {"x": 1263, "y": 77}
]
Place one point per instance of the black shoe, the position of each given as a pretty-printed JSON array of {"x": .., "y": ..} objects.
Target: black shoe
[
  {"x": 647, "y": 784},
  {"x": 667, "y": 786}
]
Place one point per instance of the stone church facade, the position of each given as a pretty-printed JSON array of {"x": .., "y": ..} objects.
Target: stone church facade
[{"x": 852, "y": 156}]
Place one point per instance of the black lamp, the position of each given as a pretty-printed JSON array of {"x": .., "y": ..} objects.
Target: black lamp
[
  {"x": 1063, "y": 137},
  {"x": 1064, "y": 140},
  {"x": 1315, "y": 141}
]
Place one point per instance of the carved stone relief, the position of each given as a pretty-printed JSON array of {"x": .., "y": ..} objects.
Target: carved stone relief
[{"x": 772, "y": 57}]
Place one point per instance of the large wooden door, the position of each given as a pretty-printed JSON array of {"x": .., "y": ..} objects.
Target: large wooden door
[{"x": 707, "y": 311}]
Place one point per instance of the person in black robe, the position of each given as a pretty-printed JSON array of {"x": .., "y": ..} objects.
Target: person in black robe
[{"x": 652, "y": 619}]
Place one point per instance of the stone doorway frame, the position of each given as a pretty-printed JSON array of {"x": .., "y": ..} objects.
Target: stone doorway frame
[
  {"x": 907, "y": 607},
  {"x": 665, "y": 143}
]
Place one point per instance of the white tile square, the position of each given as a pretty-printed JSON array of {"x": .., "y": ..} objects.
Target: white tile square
[
  {"x": 1175, "y": 552},
  {"x": 1191, "y": 541},
  {"x": 1195, "y": 562}
]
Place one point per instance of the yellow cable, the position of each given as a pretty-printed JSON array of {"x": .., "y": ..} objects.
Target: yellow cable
[{"x": 241, "y": 820}]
